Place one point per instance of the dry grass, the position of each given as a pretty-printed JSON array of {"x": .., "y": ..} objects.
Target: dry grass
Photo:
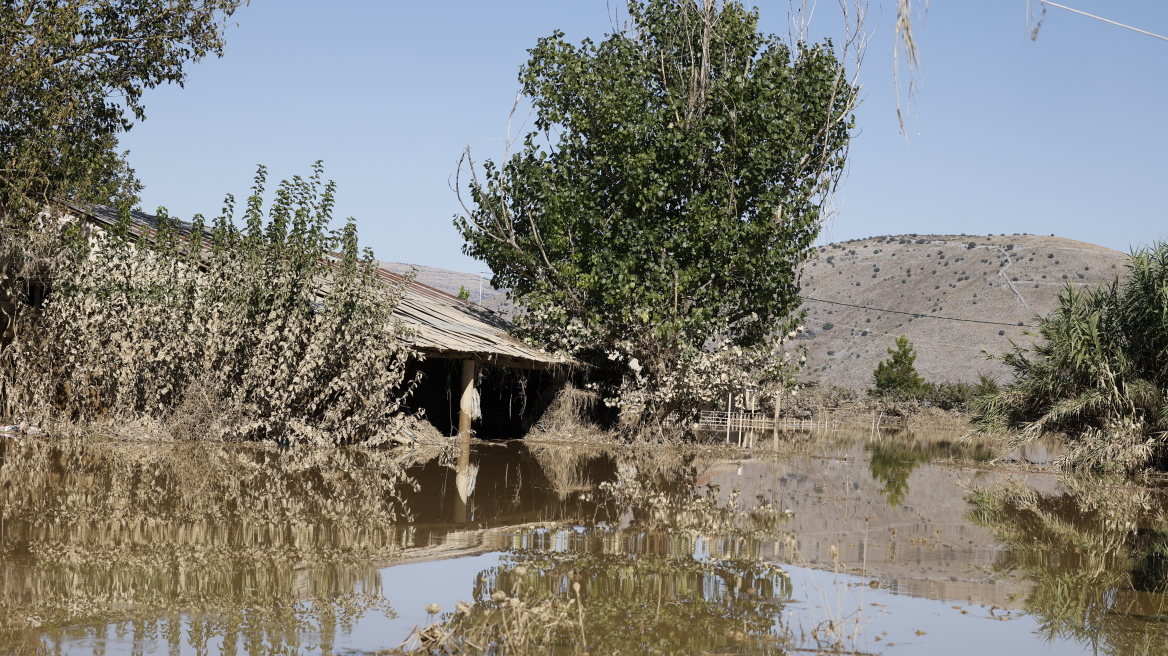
[{"x": 570, "y": 418}]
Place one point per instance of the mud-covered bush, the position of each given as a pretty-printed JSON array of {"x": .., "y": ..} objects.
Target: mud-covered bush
[
  {"x": 703, "y": 377},
  {"x": 278, "y": 329}
]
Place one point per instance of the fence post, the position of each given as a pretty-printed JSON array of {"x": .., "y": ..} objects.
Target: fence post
[{"x": 775, "y": 423}]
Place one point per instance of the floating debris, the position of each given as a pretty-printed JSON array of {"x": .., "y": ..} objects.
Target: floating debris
[{"x": 20, "y": 429}]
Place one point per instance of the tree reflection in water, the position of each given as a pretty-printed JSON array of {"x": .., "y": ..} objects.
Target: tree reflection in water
[
  {"x": 893, "y": 458},
  {"x": 678, "y": 570},
  {"x": 1097, "y": 555},
  {"x": 258, "y": 550},
  {"x": 257, "y": 546}
]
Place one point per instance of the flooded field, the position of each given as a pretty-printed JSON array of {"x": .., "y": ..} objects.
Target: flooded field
[{"x": 835, "y": 543}]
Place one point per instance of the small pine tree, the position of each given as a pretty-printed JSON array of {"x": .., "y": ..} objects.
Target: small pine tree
[
  {"x": 897, "y": 374},
  {"x": 463, "y": 292}
]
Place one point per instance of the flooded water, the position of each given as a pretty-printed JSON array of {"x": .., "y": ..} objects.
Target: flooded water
[{"x": 835, "y": 543}]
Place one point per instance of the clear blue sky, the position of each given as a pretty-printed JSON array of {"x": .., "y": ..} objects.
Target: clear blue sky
[{"x": 1064, "y": 135}]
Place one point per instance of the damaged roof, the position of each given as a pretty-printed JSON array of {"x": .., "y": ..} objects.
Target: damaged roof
[
  {"x": 450, "y": 327},
  {"x": 445, "y": 326}
]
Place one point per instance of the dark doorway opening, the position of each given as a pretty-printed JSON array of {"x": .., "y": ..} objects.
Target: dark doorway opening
[{"x": 511, "y": 399}]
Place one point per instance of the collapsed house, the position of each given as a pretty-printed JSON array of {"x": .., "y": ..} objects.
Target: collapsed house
[{"x": 474, "y": 375}]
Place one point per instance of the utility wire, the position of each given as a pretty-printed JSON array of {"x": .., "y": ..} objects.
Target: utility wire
[
  {"x": 1100, "y": 18},
  {"x": 915, "y": 314}
]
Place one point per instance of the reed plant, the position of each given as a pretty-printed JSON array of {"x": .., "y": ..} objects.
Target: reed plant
[
  {"x": 278, "y": 329},
  {"x": 1098, "y": 373}
]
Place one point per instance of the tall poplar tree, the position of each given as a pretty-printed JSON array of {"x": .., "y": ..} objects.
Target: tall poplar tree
[{"x": 673, "y": 186}]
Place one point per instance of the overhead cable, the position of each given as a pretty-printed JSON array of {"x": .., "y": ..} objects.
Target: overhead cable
[
  {"x": 917, "y": 314},
  {"x": 1100, "y": 18}
]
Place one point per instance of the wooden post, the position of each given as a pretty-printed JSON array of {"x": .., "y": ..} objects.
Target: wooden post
[
  {"x": 775, "y": 425},
  {"x": 729, "y": 407},
  {"x": 468, "y": 411},
  {"x": 467, "y": 403}
]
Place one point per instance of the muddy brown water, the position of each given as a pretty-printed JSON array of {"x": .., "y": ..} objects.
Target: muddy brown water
[{"x": 836, "y": 542}]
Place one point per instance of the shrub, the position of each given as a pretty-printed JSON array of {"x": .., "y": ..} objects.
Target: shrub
[
  {"x": 279, "y": 331},
  {"x": 1099, "y": 373},
  {"x": 897, "y": 375}
]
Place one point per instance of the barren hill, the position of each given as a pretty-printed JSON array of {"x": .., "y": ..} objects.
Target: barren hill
[
  {"x": 1003, "y": 280},
  {"x": 949, "y": 282}
]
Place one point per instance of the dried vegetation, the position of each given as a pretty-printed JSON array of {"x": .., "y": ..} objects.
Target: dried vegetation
[{"x": 277, "y": 330}]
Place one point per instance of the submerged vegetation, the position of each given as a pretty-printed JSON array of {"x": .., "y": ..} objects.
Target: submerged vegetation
[
  {"x": 277, "y": 330},
  {"x": 1098, "y": 374}
]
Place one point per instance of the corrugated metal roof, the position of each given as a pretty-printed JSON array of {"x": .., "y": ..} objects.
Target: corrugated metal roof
[
  {"x": 448, "y": 326},
  {"x": 445, "y": 325}
]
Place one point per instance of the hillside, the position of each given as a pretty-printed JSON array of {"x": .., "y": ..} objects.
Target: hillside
[
  {"x": 452, "y": 282},
  {"x": 1002, "y": 279}
]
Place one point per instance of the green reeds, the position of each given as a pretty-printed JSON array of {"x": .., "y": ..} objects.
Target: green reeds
[{"x": 1098, "y": 374}]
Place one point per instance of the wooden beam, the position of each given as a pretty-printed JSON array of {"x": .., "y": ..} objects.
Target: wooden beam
[{"x": 496, "y": 360}]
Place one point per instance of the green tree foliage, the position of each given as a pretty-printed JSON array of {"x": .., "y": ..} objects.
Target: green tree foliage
[
  {"x": 671, "y": 190},
  {"x": 897, "y": 375},
  {"x": 74, "y": 73},
  {"x": 1099, "y": 373},
  {"x": 278, "y": 330}
]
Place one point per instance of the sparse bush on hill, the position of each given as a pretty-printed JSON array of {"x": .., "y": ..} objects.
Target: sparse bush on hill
[
  {"x": 897, "y": 375},
  {"x": 266, "y": 335},
  {"x": 1099, "y": 373}
]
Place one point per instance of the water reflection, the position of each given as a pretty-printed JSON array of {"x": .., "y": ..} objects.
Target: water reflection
[
  {"x": 203, "y": 549},
  {"x": 258, "y": 546},
  {"x": 1097, "y": 554},
  {"x": 895, "y": 456},
  {"x": 661, "y": 566}
]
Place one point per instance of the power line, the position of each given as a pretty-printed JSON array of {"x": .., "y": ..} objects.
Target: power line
[
  {"x": 932, "y": 341},
  {"x": 915, "y": 314},
  {"x": 1100, "y": 18}
]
